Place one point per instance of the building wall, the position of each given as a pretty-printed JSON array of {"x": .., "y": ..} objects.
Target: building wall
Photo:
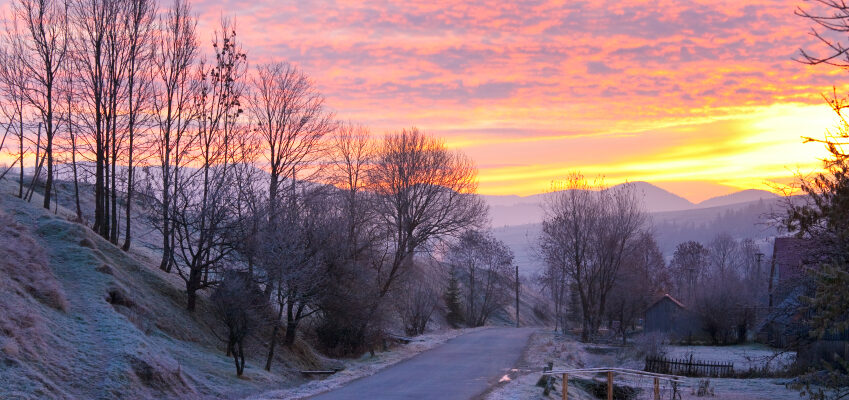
[{"x": 679, "y": 323}]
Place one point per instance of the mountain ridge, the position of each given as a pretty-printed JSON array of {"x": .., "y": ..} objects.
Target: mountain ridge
[{"x": 511, "y": 210}]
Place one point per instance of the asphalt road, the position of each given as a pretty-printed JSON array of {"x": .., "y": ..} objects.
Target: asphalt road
[{"x": 462, "y": 368}]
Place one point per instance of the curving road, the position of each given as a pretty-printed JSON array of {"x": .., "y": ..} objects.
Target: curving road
[{"x": 462, "y": 368}]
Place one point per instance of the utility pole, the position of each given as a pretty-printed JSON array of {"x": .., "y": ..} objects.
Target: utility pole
[
  {"x": 771, "y": 279},
  {"x": 517, "y": 295}
]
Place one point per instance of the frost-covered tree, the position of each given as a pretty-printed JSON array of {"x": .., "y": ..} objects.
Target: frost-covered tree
[
  {"x": 486, "y": 264},
  {"x": 586, "y": 234}
]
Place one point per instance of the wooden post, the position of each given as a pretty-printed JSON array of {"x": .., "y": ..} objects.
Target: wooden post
[
  {"x": 565, "y": 387},
  {"x": 517, "y": 295},
  {"x": 609, "y": 385},
  {"x": 656, "y": 389}
]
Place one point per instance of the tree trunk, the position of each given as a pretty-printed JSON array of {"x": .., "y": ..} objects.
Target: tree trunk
[
  {"x": 165, "y": 264},
  {"x": 240, "y": 363},
  {"x": 273, "y": 339},
  {"x": 21, "y": 157},
  {"x": 291, "y": 325},
  {"x": 76, "y": 177},
  {"x": 113, "y": 231},
  {"x": 48, "y": 183},
  {"x": 129, "y": 198},
  {"x": 192, "y": 286}
]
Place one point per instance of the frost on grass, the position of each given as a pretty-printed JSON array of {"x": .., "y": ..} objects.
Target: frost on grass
[
  {"x": 566, "y": 352},
  {"x": 81, "y": 319},
  {"x": 25, "y": 281}
]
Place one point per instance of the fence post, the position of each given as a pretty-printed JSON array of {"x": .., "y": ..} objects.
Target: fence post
[
  {"x": 565, "y": 386},
  {"x": 609, "y": 385},
  {"x": 656, "y": 389}
]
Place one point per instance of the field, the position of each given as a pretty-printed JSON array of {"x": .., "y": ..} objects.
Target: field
[{"x": 567, "y": 352}]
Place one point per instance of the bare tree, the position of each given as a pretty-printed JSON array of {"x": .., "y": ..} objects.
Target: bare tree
[
  {"x": 94, "y": 21},
  {"x": 690, "y": 265},
  {"x": 175, "y": 53},
  {"x": 290, "y": 117},
  {"x": 352, "y": 153},
  {"x": 13, "y": 77},
  {"x": 423, "y": 192},
  {"x": 139, "y": 19},
  {"x": 204, "y": 211},
  {"x": 240, "y": 307},
  {"x": 488, "y": 265},
  {"x": 41, "y": 48},
  {"x": 72, "y": 138},
  {"x": 300, "y": 256},
  {"x": 416, "y": 301},
  {"x": 587, "y": 231},
  {"x": 724, "y": 254}
]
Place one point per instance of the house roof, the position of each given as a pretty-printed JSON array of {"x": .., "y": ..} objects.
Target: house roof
[
  {"x": 790, "y": 250},
  {"x": 667, "y": 296},
  {"x": 791, "y": 255}
]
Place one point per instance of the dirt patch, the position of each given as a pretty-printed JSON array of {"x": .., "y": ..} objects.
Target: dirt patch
[
  {"x": 118, "y": 297},
  {"x": 162, "y": 375},
  {"x": 105, "y": 269}
]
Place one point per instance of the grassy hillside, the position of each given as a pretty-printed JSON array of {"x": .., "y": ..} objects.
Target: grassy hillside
[{"x": 79, "y": 318}]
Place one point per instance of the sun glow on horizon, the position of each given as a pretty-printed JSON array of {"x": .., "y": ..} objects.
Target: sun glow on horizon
[
  {"x": 750, "y": 150},
  {"x": 700, "y": 97}
]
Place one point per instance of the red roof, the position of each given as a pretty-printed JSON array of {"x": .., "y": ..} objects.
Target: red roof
[{"x": 667, "y": 296}]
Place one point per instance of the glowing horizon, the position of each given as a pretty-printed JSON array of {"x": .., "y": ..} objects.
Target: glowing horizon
[{"x": 701, "y": 97}]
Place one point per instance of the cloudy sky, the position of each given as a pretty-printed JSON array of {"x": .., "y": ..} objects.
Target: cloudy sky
[{"x": 699, "y": 97}]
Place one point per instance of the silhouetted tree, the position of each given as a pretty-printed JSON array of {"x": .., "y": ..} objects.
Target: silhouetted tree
[
  {"x": 239, "y": 305},
  {"x": 587, "y": 232}
]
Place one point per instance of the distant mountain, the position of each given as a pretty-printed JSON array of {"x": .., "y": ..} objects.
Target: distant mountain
[
  {"x": 521, "y": 210},
  {"x": 658, "y": 200},
  {"x": 738, "y": 197}
]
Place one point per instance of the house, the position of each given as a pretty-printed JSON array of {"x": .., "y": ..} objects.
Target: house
[
  {"x": 669, "y": 316},
  {"x": 786, "y": 325},
  {"x": 789, "y": 258}
]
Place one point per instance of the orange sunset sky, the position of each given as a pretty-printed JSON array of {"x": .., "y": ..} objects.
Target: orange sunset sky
[{"x": 699, "y": 97}]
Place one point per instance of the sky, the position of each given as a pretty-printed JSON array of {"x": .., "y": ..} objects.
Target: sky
[
  {"x": 699, "y": 97},
  {"x": 702, "y": 98}
]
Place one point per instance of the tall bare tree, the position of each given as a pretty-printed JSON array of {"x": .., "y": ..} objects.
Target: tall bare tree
[
  {"x": 204, "y": 213},
  {"x": 93, "y": 19},
  {"x": 139, "y": 18},
  {"x": 423, "y": 192},
  {"x": 352, "y": 152},
  {"x": 13, "y": 78},
  {"x": 41, "y": 47},
  {"x": 587, "y": 232},
  {"x": 488, "y": 265},
  {"x": 690, "y": 263},
  {"x": 289, "y": 115},
  {"x": 175, "y": 53}
]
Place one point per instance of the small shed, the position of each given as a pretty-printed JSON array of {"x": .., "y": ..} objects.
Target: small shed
[{"x": 669, "y": 316}]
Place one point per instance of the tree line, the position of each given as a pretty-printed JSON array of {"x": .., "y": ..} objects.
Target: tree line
[
  {"x": 259, "y": 194},
  {"x": 603, "y": 265}
]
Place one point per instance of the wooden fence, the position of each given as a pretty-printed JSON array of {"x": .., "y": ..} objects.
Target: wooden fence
[
  {"x": 689, "y": 367},
  {"x": 566, "y": 373}
]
